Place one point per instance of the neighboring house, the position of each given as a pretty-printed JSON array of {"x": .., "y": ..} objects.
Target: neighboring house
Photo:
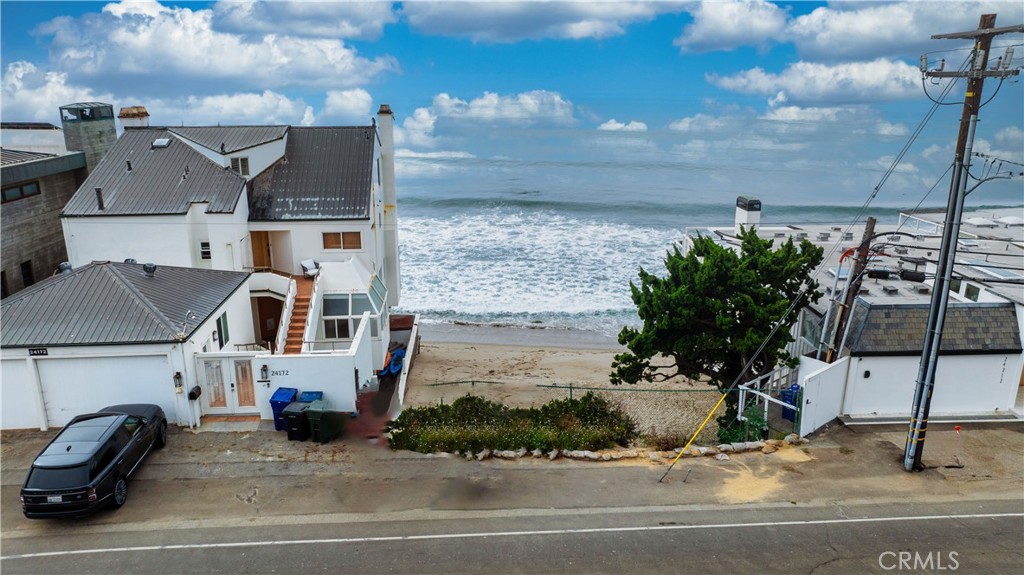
[
  {"x": 109, "y": 333},
  {"x": 33, "y": 137},
  {"x": 35, "y": 187},
  {"x": 875, "y": 366}
]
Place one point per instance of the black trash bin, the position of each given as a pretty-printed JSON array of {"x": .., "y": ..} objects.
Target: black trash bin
[
  {"x": 296, "y": 422},
  {"x": 280, "y": 400},
  {"x": 324, "y": 425}
]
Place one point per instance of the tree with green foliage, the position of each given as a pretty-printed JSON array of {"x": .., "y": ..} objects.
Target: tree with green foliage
[{"x": 714, "y": 309}]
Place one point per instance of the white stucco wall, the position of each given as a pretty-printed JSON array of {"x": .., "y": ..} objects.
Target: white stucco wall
[
  {"x": 295, "y": 241},
  {"x": 978, "y": 384},
  {"x": 162, "y": 240}
]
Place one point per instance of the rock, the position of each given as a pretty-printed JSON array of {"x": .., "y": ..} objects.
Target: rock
[
  {"x": 722, "y": 457},
  {"x": 553, "y": 455},
  {"x": 775, "y": 442},
  {"x": 521, "y": 452},
  {"x": 726, "y": 447},
  {"x": 694, "y": 451},
  {"x": 792, "y": 439},
  {"x": 606, "y": 457},
  {"x": 591, "y": 455},
  {"x": 630, "y": 454},
  {"x": 614, "y": 456},
  {"x": 739, "y": 446},
  {"x": 483, "y": 455},
  {"x": 769, "y": 449},
  {"x": 506, "y": 454},
  {"x": 469, "y": 456},
  {"x": 537, "y": 453},
  {"x": 710, "y": 451},
  {"x": 653, "y": 456}
]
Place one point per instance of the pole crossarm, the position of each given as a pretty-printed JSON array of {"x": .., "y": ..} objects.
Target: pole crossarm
[
  {"x": 979, "y": 33},
  {"x": 974, "y": 74}
]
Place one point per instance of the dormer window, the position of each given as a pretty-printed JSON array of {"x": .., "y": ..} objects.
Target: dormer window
[{"x": 240, "y": 166}]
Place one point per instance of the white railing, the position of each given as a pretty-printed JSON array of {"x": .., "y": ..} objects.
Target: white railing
[
  {"x": 312, "y": 316},
  {"x": 410, "y": 351},
  {"x": 286, "y": 317}
]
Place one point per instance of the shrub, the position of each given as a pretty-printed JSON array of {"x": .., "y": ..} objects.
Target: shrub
[{"x": 472, "y": 423}]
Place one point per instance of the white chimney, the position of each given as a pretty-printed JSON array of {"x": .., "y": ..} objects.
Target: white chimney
[
  {"x": 748, "y": 212},
  {"x": 386, "y": 133}
]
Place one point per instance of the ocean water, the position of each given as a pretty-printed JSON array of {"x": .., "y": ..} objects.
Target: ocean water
[{"x": 502, "y": 255}]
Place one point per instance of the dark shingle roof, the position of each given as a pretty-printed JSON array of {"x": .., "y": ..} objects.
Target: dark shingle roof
[
  {"x": 9, "y": 157},
  {"x": 114, "y": 303},
  {"x": 899, "y": 329},
  {"x": 234, "y": 138},
  {"x": 327, "y": 173},
  {"x": 155, "y": 185}
]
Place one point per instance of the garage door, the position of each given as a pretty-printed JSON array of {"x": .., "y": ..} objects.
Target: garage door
[{"x": 81, "y": 385}]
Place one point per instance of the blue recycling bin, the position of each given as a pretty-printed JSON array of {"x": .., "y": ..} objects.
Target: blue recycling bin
[
  {"x": 280, "y": 400},
  {"x": 790, "y": 395},
  {"x": 310, "y": 396}
]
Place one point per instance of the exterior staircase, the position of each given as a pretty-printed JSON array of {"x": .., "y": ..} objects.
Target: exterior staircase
[{"x": 304, "y": 291}]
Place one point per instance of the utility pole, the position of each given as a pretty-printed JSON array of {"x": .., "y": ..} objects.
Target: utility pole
[
  {"x": 852, "y": 289},
  {"x": 975, "y": 75}
]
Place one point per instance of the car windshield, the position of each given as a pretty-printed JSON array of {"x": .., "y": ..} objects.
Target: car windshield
[{"x": 58, "y": 478}]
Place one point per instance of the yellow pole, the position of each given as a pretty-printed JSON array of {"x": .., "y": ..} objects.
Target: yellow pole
[{"x": 694, "y": 436}]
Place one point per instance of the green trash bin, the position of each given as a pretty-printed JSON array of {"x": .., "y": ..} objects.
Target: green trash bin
[{"x": 324, "y": 425}]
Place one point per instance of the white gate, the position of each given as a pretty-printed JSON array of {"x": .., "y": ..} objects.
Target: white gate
[{"x": 822, "y": 395}]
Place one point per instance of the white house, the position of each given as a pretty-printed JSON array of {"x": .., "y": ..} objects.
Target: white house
[
  {"x": 307, "y": 214},
  {"x": 875, "y": 363},
  {"x": 108, "y": 333}
]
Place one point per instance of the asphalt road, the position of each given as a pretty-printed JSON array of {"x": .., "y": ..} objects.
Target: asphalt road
[{"x": 967, "y": 537}]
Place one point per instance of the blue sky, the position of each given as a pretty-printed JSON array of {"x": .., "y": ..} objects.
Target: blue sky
[{"x": 806, "y": 101}]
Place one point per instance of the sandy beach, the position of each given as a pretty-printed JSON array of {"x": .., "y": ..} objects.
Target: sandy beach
[{"x": 534, "y": 366}]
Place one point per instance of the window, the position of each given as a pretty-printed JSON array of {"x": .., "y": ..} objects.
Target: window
[
  {"x": 222, "y": 329},
  {"x": 204, "y": 250},
  {"x": 342, "y": 241},
  {"x": 954, "y": 285},
  {"x": 27, "y": 278},
  {"x": 240, "y": 166},
  {"x": 972, "y": 292},
  {"x": 22, "y": 191},
  {"x": 336, "y": 328}
]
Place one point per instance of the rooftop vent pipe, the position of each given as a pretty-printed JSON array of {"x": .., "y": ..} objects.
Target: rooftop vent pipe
[
  {"x": 99, "y": 198},
  {"x": 149, "y": 269},
  {"x": 129, "y": 162},
  {"x": 64, "y": 267}
]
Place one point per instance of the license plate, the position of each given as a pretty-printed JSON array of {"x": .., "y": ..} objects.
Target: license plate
[{"x": 54, "y": 499}]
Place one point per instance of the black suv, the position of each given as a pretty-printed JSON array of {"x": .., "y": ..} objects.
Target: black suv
[{"x": 87, "y": 465}]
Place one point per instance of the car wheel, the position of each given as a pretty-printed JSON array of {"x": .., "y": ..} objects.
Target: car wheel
[
  {"x": 120, "y": 492},
  {"x": 161, "y": 436}
]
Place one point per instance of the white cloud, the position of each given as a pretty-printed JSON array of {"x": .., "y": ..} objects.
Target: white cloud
[
  {"x": 866, "y": 29},
  {"x": 697, "y": 123},
  {"x": 417, "y": 130},
  {"x": 885, "y": 162},
  {"x": 879, "y": 79},
  {"x": 358, "y": 20},
  {"x": 148, "y": 44},
  {"x": 730, "y": 24},
  {"x": 798, "y": 114},
  {"x": 526, "y": 107},
  {"x": 513, "y": 21},
  {"x": 884, "y": 128},
  {"x": 352, "y": 105},
  {"x": 411, "y": 164},
  {"x": 1011, "y": 137},
  {"x": 30, "y": 94},
  {"x": 615, "y": 126},
  {"x": 267, "y": 107}
]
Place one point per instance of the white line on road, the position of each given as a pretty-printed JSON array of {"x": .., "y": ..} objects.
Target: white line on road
[{"x": 507, "y": 534}]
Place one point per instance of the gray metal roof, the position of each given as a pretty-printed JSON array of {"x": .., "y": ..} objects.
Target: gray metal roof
[
  {"x": 162, "y": 180},
  {"x": 977, "y": 328},
  {"x": 234, "y": 138},
  {"x": 327, "y": 173},
  {"x": 114, "y": 303},
  {"x": 9, "y": 157}
]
